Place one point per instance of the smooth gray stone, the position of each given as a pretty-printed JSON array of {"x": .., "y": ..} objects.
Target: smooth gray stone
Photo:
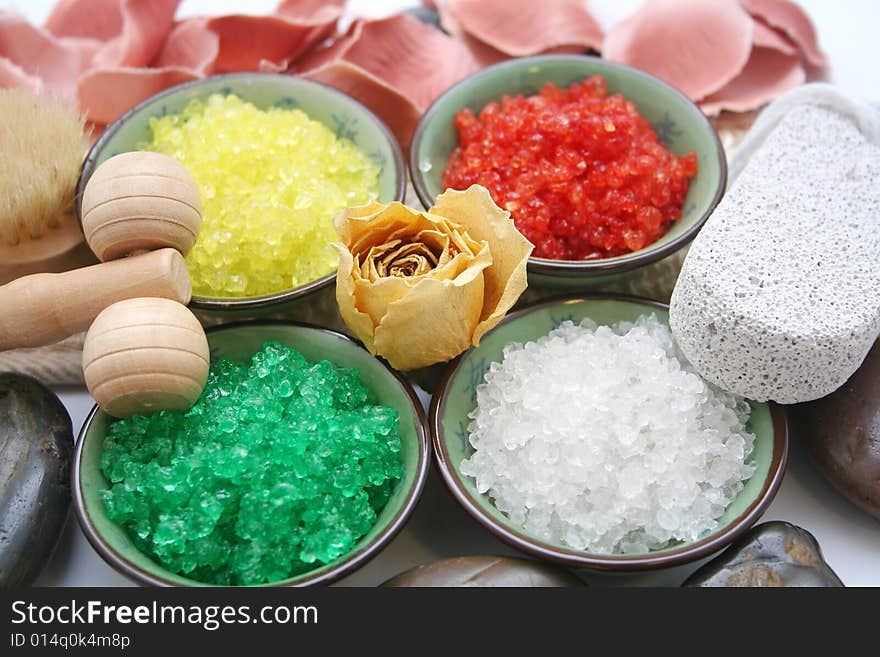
[
  {"x": 842, "y": 434},
  {"x": 485, "y": 572},
  {"x": 36, "y": 442},
  {"x": 772, "y": 554}
]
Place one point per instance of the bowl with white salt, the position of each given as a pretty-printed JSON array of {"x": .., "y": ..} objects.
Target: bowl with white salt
[{"x": 578, "y": 433}]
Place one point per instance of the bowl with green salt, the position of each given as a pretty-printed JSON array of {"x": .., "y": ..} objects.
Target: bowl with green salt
[
  {"x": 576, "y": 433},
  {"x": 274, "y": 157},
  {"x": 301, "y": 461}
]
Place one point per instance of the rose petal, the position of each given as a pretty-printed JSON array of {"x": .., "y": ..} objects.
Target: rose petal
[
  {"x": 12, "y": 75},
  {"x": 95, "y": 19},
  {"x": 516, "y": 29},
  {"x": 382, "y": 260},
  {"x": 766, "y": 37},
  {"x": 409, "y": 266},
  {"x": 248, "y": 41},
  {"x": 506, "y": 279},
  {"x": 106, "y": 94},
  {"x": 190, "y": 45},
  {"x": 397, "y": 83},
  {"x": 359, "y": 231},
  {"x": 40, "y": 54},
  {"x": 373, "y": 297},
  {"x": 695, "y": 45},
  {"x": 791, "y": 19},
  {"x": 130, "y": 32},
  {"x": 371, "y": 226},
  {"x": 769, "y": 74},
  {"x": 408, "y": 339},
  {"x": 145, "y": 25},
  {"x": 315, "y": 12},
  {"x": 481, "y": 51},
  {"x": 434, "y": 315},
  {"x": 407, "y": 261},
  {"x": 346, "y": 228},
  {"x": 359, "y": 322}
]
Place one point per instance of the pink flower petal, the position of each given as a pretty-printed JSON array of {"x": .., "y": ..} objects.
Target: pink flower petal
[
  {"x": 768, "y": 74},
  {"x": 694, "y": 45},
  {"x": 792, "y": 20}
]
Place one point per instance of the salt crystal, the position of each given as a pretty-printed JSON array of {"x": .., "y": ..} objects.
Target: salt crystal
[{"x": 604, "y": 439}]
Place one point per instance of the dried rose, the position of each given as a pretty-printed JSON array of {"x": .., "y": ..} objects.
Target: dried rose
[{"x": 420, "y": 287}]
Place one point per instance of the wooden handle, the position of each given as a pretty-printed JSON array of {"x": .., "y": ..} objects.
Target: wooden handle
[{"x": 44, "y": 308}]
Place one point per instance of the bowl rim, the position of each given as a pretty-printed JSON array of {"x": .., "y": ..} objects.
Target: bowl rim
[
  {"x": 343, "y": 566},
  {"x": 601, "y": 266},
  {"x": 710, "y": 544},
  {"x": 261, "y": 301}
]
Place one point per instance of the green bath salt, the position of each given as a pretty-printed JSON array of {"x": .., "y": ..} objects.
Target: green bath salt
[{"x": 282, "y": 466}]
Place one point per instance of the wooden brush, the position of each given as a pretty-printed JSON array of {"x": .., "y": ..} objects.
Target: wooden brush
[{"x": 42, "y": 144}]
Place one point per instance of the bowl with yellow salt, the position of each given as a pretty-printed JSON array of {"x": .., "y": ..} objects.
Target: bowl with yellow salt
[{"x": 275, "y": 157}]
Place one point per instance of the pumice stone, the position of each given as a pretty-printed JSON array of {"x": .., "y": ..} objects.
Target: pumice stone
[{"x": 779, "y": 296}]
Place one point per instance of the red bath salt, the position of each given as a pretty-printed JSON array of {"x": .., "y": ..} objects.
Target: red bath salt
[{"x": 581, "y": 172}]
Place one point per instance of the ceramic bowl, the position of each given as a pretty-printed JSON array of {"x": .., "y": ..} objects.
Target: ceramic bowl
[
  {"x": 339, "y": 112},
  {"x": 677, "y": 121},
  {"x": 240, "y": 341},
  {"x": 456, "y": 397}
]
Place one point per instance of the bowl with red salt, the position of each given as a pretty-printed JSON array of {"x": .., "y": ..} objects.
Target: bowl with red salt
[{"x": 606, "y": 171}]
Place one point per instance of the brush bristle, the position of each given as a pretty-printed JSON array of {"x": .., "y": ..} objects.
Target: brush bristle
[{"x": 41, "y": 150}]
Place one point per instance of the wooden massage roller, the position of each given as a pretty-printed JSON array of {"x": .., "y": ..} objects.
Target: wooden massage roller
[{"x": 145, "y": 351}]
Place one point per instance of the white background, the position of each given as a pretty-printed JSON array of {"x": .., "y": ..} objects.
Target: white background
[{"x": 439, "y": 528}]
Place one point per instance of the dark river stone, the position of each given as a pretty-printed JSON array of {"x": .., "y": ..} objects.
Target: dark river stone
[
  {"x": 485, "y": 572},
  {"x": 772, "y": 554},
  {"x": 842, "y": 434},
  {"x": 36, "y": 441}
]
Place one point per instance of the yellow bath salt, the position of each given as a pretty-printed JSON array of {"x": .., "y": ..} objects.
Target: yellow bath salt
[{"x": 271, "y": 182}]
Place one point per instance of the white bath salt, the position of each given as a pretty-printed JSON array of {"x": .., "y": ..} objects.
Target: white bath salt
[{"x": 605, "y": 440}]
